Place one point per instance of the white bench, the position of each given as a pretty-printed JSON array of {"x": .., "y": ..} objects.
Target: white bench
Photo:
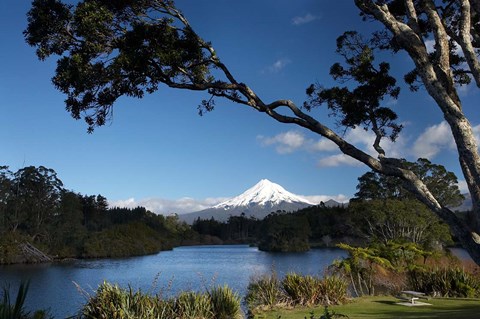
[{"x": 413, "y": 295}]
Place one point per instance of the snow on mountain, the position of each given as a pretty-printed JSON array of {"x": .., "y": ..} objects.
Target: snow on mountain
[
  {"x": 260, "y": 200},
  {"x": 264, "y": 193}
]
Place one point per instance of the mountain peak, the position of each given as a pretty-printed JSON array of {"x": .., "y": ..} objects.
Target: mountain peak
[
  {"x": 264, "y": 193},
  {"x": 257, "y": 201}
]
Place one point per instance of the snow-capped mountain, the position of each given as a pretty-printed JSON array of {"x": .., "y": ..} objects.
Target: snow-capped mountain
[
  {"x": 260, "y": 200},
  {"x": 265, "y": 194}
]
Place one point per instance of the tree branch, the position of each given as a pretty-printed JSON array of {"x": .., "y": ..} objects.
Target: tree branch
[
  {"x": 412, "y": 17},
  {"x": 441, "y": 38},
  {"x": 465, "y": 42}
]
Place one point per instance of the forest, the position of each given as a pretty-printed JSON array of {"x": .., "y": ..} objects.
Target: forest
[{"x": 36, "y": 209}]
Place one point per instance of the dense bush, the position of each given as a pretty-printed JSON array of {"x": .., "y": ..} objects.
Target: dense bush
[
  {"x": 445, "y": 282},
  {"x": 10, "y": 252},
  {"x": 111, "y": 301},
  {"x": 123, "y": 240}
]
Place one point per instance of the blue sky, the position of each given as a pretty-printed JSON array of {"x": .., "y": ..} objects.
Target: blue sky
[{"x": 159, "y": 153}]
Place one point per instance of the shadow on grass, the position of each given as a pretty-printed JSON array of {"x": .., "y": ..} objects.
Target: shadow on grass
[{"x": 386, "y": 302}]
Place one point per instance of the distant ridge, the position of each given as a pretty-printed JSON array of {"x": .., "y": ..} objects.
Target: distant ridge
[{"x": 258, "y": 201}]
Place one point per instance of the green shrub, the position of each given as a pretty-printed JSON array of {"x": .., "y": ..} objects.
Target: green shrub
[
  {"x": 113, "y": 302},
  {"x": 303, "y": 290},
  {"x": 225, "y": 303},
  {"x": 10, "y": 252},
  {"x": 16, "y": 310},
  {"x": 334, "y": 290},
  {"x": 123, "y": 240},
  {"x": 445, "y": 282},
  {"x": 311, "y": 290},
  {"x": 193, "y": 305},
  {"x": 268, "y": 292},
  {"x": 9, "y": 311},
  {"x": 265, "y": 292}
]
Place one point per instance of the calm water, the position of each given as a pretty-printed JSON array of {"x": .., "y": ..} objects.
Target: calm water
[{"x": 185, "y": 268}]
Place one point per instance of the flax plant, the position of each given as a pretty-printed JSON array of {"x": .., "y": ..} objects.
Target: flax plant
[
  {"x": 303, "y": 290},
  {"x": 13, "y": 311},
  {"x": 265, "y": 292},
  {"x": 193, "y": 305},
  {"x": 225, "y": 303}
]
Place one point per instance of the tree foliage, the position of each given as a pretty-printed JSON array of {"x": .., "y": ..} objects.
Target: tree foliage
[
  {"x": 362, "y": 105},
  {"x": 119, "y": 48},
  {"x": 396, "y": 220},
  {"x": 442, "y": 183}
]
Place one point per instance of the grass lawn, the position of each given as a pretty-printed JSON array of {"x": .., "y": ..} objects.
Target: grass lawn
[{"x": 386, "y": 307}]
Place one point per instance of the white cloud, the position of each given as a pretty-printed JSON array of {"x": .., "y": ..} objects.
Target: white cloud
[
  {"x": 169, "y": 206},
  {"x": 360, "y": 137},
  {"x": 277, "y": 66},
  {"x": 293, "y": 140},
  {"x": 433, "y": 140},
  {"x": 324, "y": 198},
  {"x": 462, "y": 185},
  {"x": 299, "y": 20},
  {"x": 338, "y": 160},
  {"x": 437, "y": 138},
  {"x": 324, "y": 144},
  {"x": 285, "y": 143}
]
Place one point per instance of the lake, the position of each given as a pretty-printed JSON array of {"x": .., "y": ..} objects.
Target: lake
[{"x": 54, "y": 286}]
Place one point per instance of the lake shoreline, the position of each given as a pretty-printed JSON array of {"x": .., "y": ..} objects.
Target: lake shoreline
[{"x": 184, "y": 268}]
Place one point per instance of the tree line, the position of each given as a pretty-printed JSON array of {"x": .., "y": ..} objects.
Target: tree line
[{"x": 36, "y": 208}]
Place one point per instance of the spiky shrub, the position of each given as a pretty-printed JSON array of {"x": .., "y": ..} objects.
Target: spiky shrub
[
  {"x": 313, "y": 290},
  {"x": 302, "y": 290},
  {"x": 13, "y": 311},
  {"x": 225, "y": 303},
  {"x": 446, "y": 282},
  {"x": 111, "y": 301},
  {"x": 193, "y": 305},
  {"x": 265, "y": 292},
  {"x": 333, "y": 290},
  {"x": 16, "y": 310}
]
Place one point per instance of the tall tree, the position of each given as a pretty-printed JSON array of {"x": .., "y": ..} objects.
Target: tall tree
[
  {"x": 36, "y": 198},
  {"x": 5, "y": 194},
  {"x": 442, "y": 183},
  {"x": 109, "y": 49},
  {"x": 398, "y": 220}
]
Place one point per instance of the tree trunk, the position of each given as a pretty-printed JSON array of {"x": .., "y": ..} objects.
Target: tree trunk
[{"x": 438, "y": 81}]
